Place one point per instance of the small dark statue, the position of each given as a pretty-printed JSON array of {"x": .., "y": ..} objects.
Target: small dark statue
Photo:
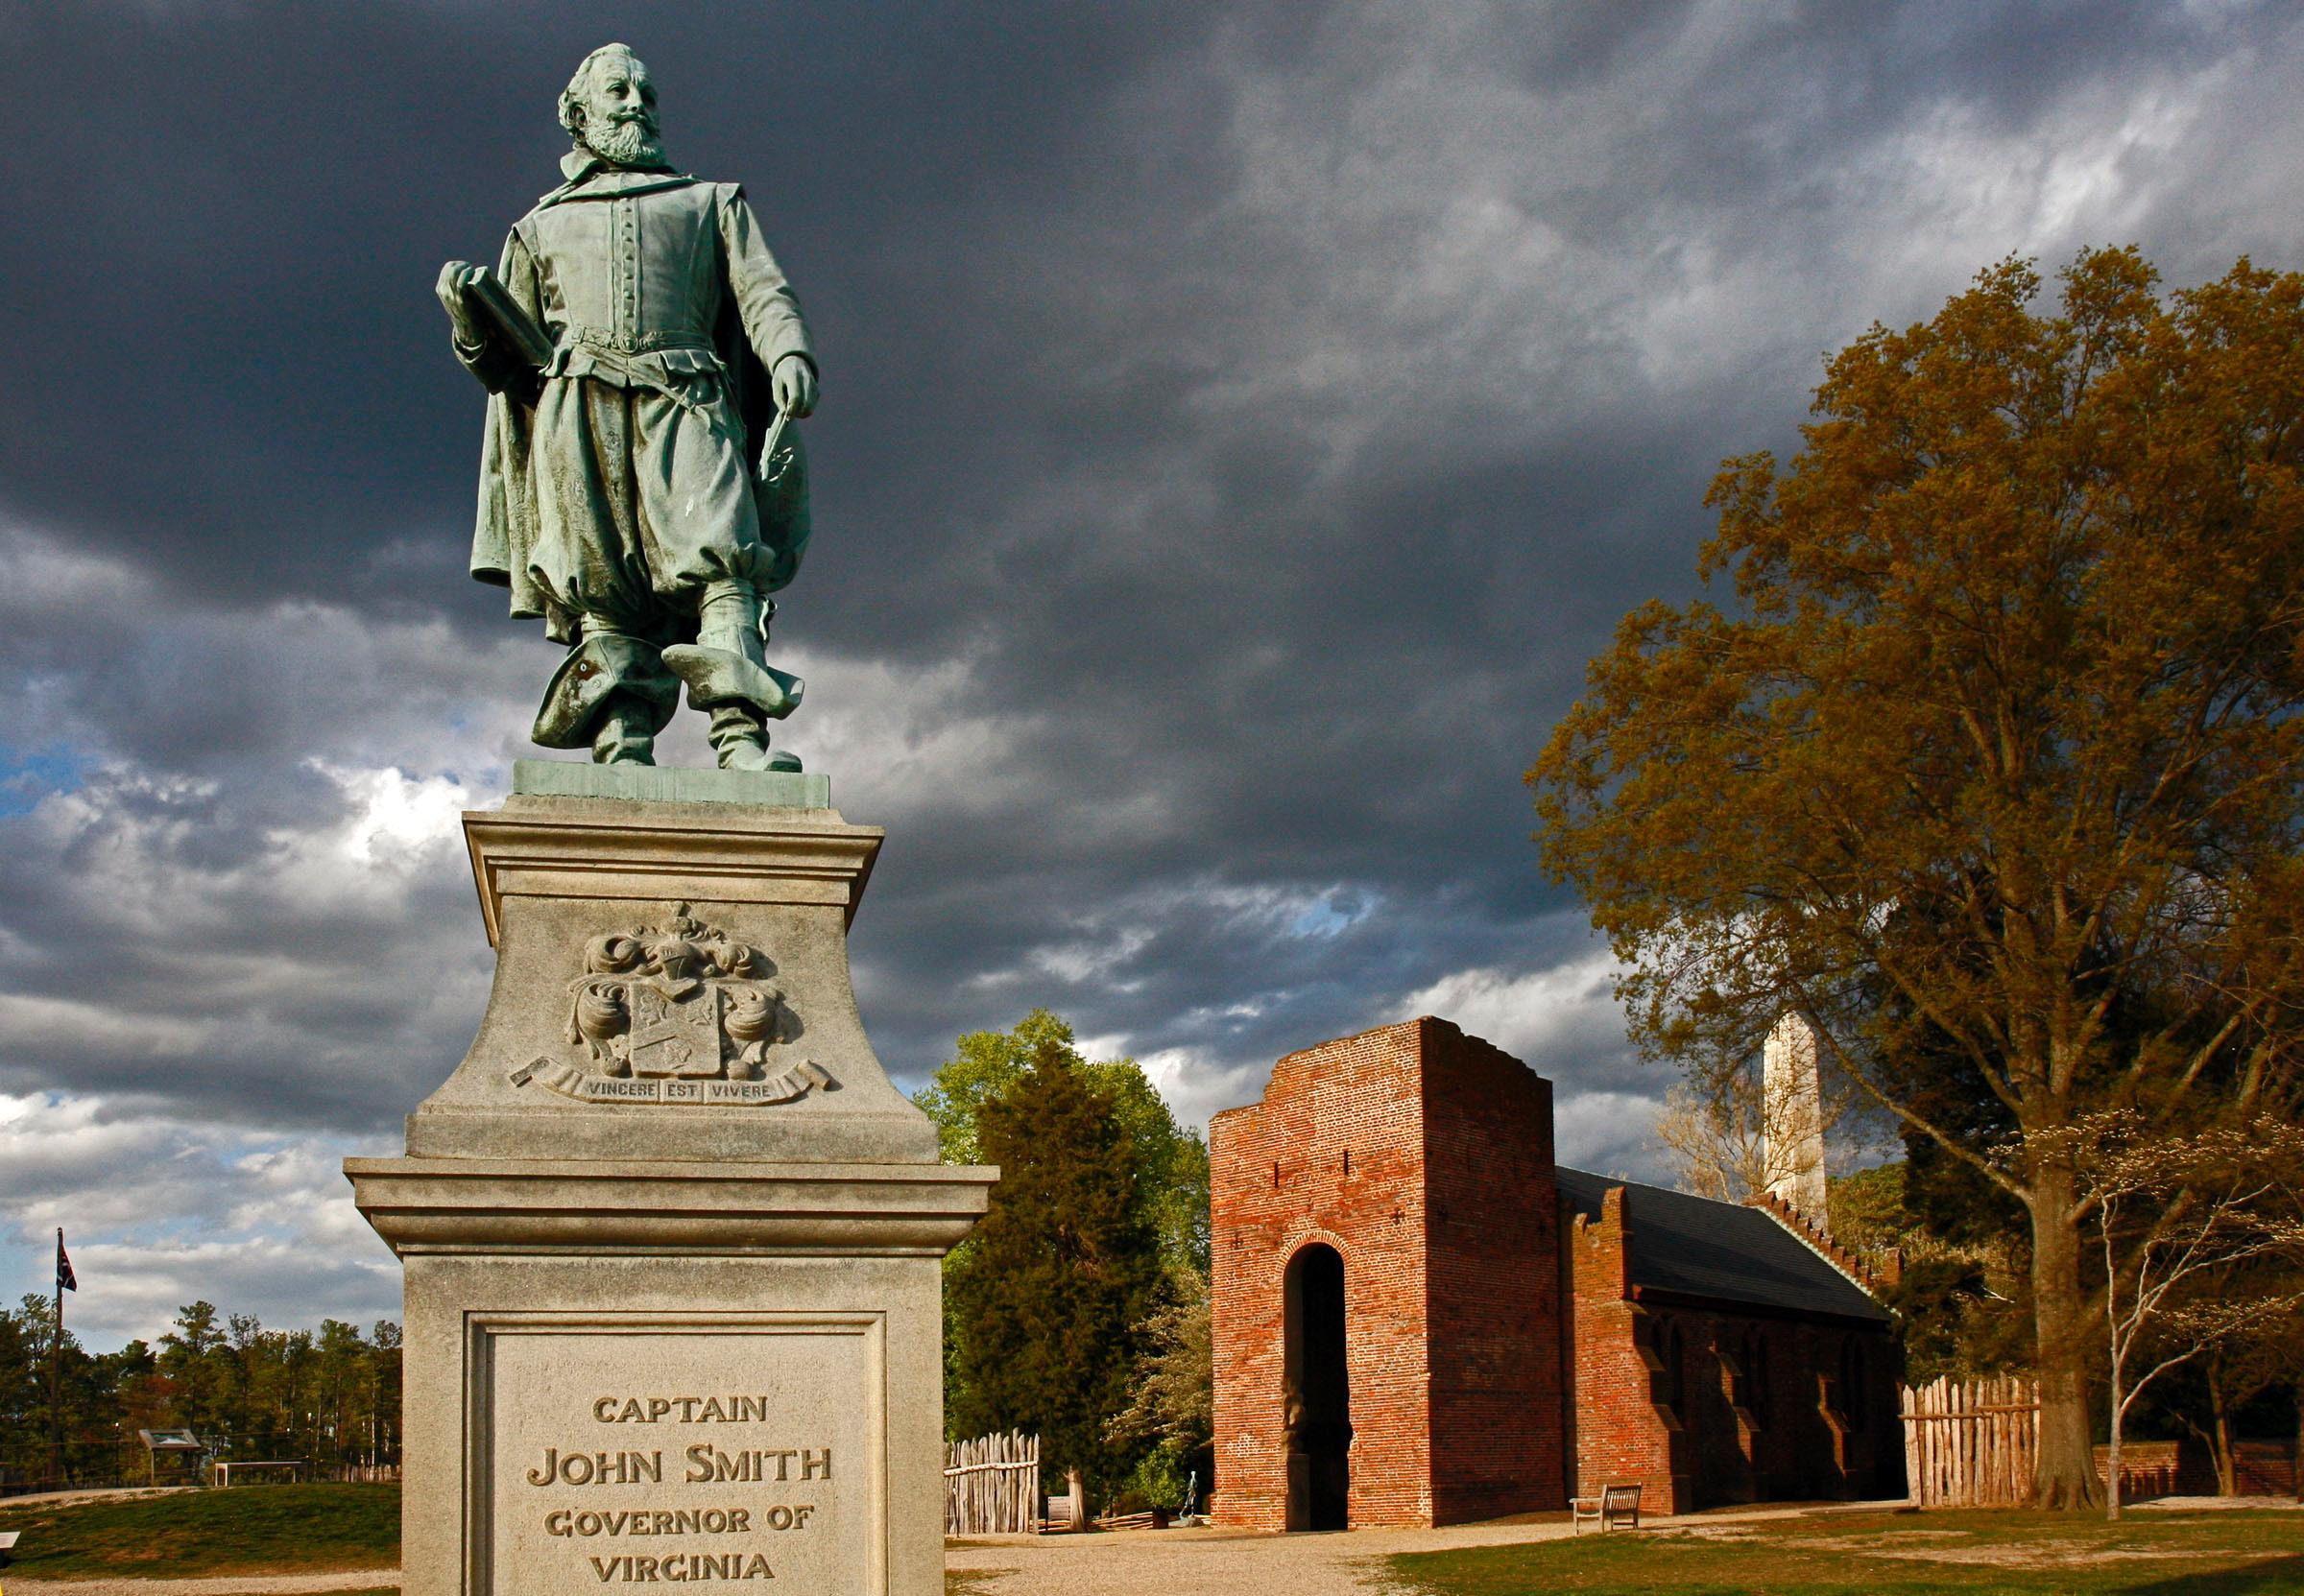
[{"x": 641, "y": 490}]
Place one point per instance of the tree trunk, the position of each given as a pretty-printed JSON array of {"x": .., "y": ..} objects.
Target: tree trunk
[
  {"x": 1078, "y": 1486},
  {"x": 2220, "y": 1432},
  {"x": 2064, "y": 1340}
]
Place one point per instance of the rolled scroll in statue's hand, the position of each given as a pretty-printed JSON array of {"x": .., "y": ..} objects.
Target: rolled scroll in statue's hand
[{"x": 489, "y": 315}]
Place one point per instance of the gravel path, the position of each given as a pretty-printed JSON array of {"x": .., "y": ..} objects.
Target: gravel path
[
  {"x": 220, "y": 1584},
  {"x": 1226, "y": 1563},
  {"x": 1212, "y": 1563}
]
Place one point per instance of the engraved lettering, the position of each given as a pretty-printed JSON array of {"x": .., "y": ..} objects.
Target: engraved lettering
[
  {"x": 568, "y": 1522},
  {"x": 607, "y": 1469},
  {"x": 728, "y": 1408},
  {"x": 682, "y": 1567},
  {"x": 809, "y": 1463}
]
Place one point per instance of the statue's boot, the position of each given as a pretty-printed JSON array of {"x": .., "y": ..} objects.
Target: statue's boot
[
  {"x": 729, "y": 678},
  {"x": 739, "y": 737},
  {"x": 623, "y": 736},
  {"x": 611, "y": 693}
]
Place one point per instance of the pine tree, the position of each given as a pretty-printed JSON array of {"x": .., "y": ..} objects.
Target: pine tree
[{"x": 1060, "y": 1276}]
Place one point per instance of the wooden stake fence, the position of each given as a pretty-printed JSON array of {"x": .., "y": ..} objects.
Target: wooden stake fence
[
  {"x": 991, "y": 1484},
  {"x": 1972, "y": 1444}
]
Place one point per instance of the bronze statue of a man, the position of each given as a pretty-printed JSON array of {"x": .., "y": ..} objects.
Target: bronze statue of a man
[{"x": 639, "y": 488}]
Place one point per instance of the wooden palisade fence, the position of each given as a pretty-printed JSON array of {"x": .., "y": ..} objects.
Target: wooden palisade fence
[
  {"x": 991, "y": 1484},
  {"x": 1971, "y": 1443}
]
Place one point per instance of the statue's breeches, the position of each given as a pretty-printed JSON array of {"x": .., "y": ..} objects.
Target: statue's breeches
[{"x": 642, "y": 500}]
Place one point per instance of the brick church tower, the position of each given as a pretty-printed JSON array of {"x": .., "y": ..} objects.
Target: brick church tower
[
  {"x": 1419, "y": 1319},
  {"x": 1387, "y": 1285}
]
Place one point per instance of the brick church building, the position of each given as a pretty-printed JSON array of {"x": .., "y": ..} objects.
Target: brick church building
[{"x": 1421, "y": 1318}]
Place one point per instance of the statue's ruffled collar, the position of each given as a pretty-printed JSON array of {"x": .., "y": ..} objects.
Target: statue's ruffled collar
[{"x": 590, "y": 173}]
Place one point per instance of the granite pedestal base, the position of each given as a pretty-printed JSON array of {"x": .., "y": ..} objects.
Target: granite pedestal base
[{"x": 671, "y": 1238}]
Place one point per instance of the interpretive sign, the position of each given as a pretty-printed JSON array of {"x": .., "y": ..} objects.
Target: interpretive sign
[{"x": 718, "y": 1452}]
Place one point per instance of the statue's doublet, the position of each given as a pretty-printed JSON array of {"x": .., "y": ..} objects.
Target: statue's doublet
[{"x": 631, "y": 272}]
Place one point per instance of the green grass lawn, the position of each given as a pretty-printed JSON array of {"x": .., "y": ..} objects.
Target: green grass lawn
[
  {"x": 2147, "y": 1554},
  {"x": 245, "y": 1530}
]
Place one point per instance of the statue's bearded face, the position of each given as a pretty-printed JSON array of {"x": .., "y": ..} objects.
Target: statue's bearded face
[{"x": 619, "y": 112}]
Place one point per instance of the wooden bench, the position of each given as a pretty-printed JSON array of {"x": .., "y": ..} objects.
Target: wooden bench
[
  {"x": 8, "y": 1544},
  {"x": 1614, "y": 1504}
]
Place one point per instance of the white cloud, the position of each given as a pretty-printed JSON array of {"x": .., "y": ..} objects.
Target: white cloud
[
  {"x": 158, "y": 1212},
  {"x": 1561, "y": 1021},
  {"x": 1609, "y": 1133}
]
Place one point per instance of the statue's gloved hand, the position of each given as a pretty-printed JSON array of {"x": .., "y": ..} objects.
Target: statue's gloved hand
[
  {"x": 795, "y": 382},
  {"x": 455, "y": 278}
]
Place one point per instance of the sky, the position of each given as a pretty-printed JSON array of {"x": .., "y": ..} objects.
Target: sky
[{"x": 1240, "y": 424}]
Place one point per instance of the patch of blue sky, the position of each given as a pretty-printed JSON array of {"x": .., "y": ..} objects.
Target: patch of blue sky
[
  {"x": 28, "y": 775},
  {"x": 1332, "y": 914}
]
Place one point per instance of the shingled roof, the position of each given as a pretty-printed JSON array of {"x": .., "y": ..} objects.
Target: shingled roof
[{"x": 1701, "y": 1246}]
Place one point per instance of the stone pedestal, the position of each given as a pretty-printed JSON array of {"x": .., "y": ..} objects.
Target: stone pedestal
[{"x": 671, "y": 1237}]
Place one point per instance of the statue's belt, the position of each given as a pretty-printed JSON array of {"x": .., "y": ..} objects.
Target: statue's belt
[
  {"x": 638, "y": 360},
  {"x": 646, "y": 343}
]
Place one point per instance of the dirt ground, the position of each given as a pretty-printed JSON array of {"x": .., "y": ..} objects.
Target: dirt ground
[{"x": 1227, "y": 1562}]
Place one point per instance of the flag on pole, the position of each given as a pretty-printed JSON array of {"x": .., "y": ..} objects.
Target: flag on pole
[{"x": 66, "y": 1279}]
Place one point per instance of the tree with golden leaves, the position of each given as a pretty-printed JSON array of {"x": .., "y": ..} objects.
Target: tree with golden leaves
[{"x": 1994, "y": 764}]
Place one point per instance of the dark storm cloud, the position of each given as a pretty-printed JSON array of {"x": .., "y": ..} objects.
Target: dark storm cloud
[{"x": 1241, "y": 423}]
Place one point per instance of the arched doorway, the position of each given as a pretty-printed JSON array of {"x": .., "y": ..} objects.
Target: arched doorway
[{"x": 1317, "y": 1390}]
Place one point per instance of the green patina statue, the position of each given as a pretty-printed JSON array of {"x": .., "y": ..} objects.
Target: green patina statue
[{"x": 641, "y": 490}]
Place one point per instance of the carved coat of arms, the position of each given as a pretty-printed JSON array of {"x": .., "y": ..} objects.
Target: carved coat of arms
[{"x": 677, "y": 1012}]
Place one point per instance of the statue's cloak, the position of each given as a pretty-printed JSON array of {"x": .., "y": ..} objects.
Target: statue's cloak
[{"x": 506, "y": 527}]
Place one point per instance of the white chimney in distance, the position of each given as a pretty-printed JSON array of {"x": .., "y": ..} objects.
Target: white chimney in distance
[{"x": 1792, "y": 1126}]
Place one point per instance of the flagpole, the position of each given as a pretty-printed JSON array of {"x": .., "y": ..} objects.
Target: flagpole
[{"x": 56, "y": 1374}]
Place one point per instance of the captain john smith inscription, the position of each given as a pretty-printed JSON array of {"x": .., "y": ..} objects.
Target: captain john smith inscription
[{"x": 601, "y": 1479}]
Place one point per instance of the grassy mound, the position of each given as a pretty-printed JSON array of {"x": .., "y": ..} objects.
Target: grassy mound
[
  {"x": 2206, "y": 1554},
  {"x": 245, "y": 1530}
]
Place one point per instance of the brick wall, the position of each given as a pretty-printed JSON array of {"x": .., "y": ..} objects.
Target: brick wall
[
  {"x": 1494, "y": 1310},
  {"x": 1622, "y": 1433},
  {"x": 2150, "y": 1468},
  {"x": 1704, "y": 1405},
  {"x": 1425, "y": 1157}
]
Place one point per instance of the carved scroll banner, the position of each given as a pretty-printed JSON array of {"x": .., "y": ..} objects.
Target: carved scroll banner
[{"x": 571, "y": 1081}]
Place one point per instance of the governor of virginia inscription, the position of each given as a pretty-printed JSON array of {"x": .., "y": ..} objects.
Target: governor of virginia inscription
[{"x": 754, "y": 1467}]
